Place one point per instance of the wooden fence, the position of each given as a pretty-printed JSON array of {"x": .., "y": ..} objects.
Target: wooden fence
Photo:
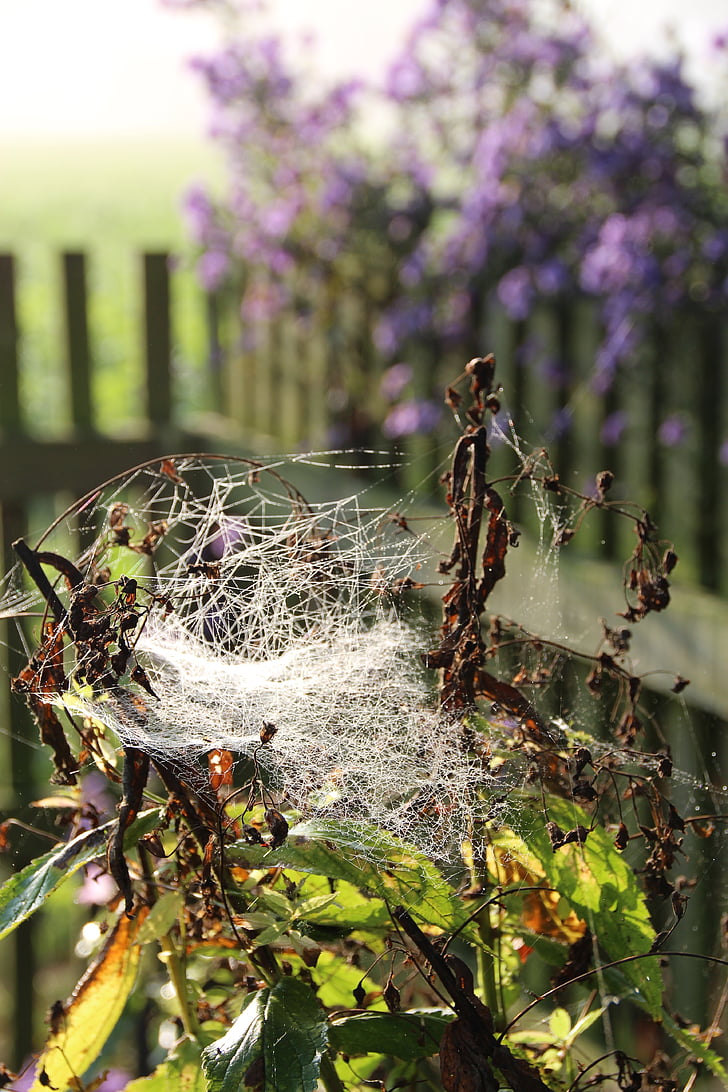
[{"x": 305, "y": 384}]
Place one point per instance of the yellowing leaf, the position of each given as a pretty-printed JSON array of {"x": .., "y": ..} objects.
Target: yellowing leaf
[
  {"x": 93, "y": 1010},
  {"x": 544, "y": 911}
]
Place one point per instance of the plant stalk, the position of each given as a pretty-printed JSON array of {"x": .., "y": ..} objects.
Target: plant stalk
[{"x": 178, "y": 978}]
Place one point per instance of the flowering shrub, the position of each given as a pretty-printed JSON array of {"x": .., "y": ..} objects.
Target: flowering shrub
[{"x": 518, "y": 161}]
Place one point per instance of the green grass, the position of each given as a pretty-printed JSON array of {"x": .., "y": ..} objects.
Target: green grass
[
  {"x": 113, "y": 201},
  {"x": 87, "y": 194}
]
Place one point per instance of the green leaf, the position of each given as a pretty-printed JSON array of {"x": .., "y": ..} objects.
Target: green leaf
[
  {"x": 180, "y": 1071},
  {"x": 93, "y": 1011},
  {"x": 282, "y": 1032},
  {"x": 276, "y": 902},
  {"x": 226, "y": 1062},
  {"x": 371, "y": 859},
  {"x": 161, "y": 917},
  {"x": 405, "y": 1035},
  {"x": 696, "y": 1047},
  {"x": 308, "y": 908},
  {"x": 603, "y": 890},
  {"x": 560, "y": 1024},
  {"x": 344, "y": 909},
  {"x": 336, "y": 980},
  {"x": 28, "y": 889}
]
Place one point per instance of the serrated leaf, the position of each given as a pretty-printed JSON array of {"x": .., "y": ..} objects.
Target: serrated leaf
[
  {"x": 255, "y": 919},
  {"x": 310, "y": 907},
  {"x": 282, "y": 1025},
  {"x": 345, "y": 909},
  {"x": 180, "y": 1071},
  {"x": 28, "y": 889},
  {"x": 271, "y": 934},
  {"x": 369, "y": 858},
  {"x": 603, "y": 890},
  {"x": 93, "y": 1010},
  {"x": 696, "y": 1047},
  {"x": 226, "y": 1061},
  {"x": 276, "y": 901},
  {"x": 404, "y": 1035}
]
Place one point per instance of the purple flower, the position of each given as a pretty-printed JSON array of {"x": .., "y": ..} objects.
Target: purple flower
[
  {"x": 230, "y": 534},
  {"x": 522, "y": 161},
  {"x": 723, "y": 453},
  {"x": 552, "y": 277},
  {"x": 394, "y": 381},
  {"x": 212, "y": 268},
  {"x": 561, "y": 422},
  {"x": 613, "y": 428},
  {"x": 415, "y": 416},
  {"x": 98, "y": 887},
  {"x": 673, "y": 430},
  {"x": 515, "y": 291},
  {"x": 198, "y": 212}
]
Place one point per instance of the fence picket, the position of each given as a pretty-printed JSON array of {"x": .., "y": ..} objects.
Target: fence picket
[
  {"x": 157, "y": 339},
  {"x": 10, "y": 418},
  {"x": 78, "y": 353}
]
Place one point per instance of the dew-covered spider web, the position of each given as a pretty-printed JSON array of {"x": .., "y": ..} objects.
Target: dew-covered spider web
[
  {"x": 210, "y": 606},
  {"x": 214, "y": 605}
]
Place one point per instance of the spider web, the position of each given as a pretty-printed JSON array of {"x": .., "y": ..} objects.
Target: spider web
[{"x": 256, "y": 608}]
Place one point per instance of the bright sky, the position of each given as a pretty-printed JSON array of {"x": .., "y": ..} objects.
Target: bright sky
[{"x": 88, "y": 68}]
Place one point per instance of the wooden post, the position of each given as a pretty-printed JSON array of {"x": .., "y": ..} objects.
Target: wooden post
[
  {"x": 157, "y": 339},
  {"x": 78, "y": 355},
  {"x": 711, "y": 393},
  {"x": 10, "y": 419},
  {"x": 22, "y": 789}
]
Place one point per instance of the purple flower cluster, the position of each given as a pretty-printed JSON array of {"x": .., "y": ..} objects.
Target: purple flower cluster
[{"x": 521, "y": 164}]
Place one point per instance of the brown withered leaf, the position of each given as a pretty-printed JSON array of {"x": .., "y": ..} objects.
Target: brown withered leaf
[
  {"x": 277, "y": 826},
  {"x": 267, "y": 732},
  {"x": 496, "y": 545},
  {"x": 136, "y": 772},
  {"x": 578, "y": 961},
  {"x": 391, "y": 996},
  {"x": 622, "y": 838},
  {"x": 139, "y": 676},
  {"x": 220, "y": 764},
  {"x": 169, "y": 469},
  {"x": 664, "y": 765},
  {"x": 52, "y": 734},
  {"x": 513, "y": 701},
  {"x": 464, "y": 1067}
]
